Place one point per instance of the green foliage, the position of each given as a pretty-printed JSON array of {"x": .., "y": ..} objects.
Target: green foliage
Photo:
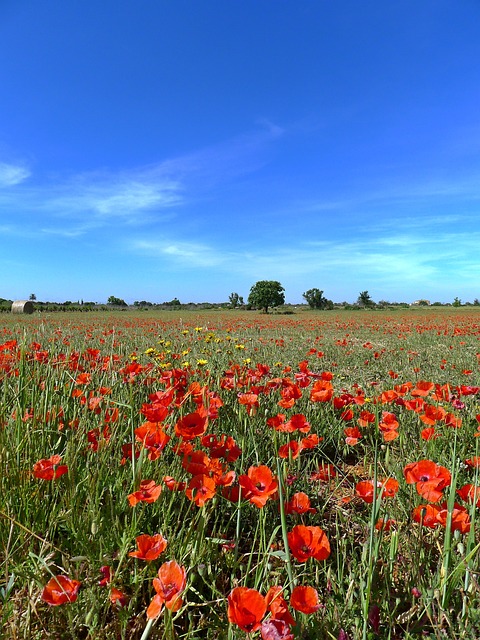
[
  {"x": 265, "y": 294},
  {"x": 364, "y": 299},
  {"x": 315, "y": 298},
  {"x": 457, "y": 302},
  {"x": 235, "y": 300},
  {"x": 116, "y": 302}
]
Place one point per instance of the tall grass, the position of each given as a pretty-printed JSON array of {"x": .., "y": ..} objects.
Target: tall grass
[{"x": 405, "y": 580}]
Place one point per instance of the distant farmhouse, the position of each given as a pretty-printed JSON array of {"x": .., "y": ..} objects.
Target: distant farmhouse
[{"x": 420, "y": 303}]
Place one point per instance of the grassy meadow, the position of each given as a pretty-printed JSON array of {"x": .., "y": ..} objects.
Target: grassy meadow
[{"x": 231, "y": 475}]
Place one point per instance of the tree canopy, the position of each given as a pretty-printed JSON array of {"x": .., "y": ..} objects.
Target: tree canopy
[
  {"x": 116, "y": 302},
  {"x": 265, "y": 294},
  {"x": 365, "y": 300},
  {"x": 235, "y": 300},
  {"x": 315, "y": 298}
]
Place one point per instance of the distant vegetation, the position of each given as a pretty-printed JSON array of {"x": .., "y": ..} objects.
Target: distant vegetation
[{"x": 264, "y": 295}]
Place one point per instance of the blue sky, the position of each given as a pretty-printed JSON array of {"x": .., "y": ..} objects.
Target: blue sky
[{"x": 160, "y": 149}]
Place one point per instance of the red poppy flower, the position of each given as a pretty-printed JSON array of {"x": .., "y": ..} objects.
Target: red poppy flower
[
  {"x": 325, "y": 472},
  {"x": 190, "y": 426},
  {"x": 149, "y": 547},
  {"x": 246, "y": 608},
  {"x": 431, "y": 414},
  {"x": 153, "y": 438},
  {"x": 148, "y": 492},
  {"x": 470, "y": 493},
  {"x": 277, "y": 605},
  {"x": 174, "y": 485},
  {"x": 387, "y": 489},
  {"x": 305, "y": 599},
  {"x": 426, "y": 514},
  {"x": 170, "y": 583},
  {"x": 460, "y": 520},
  {"x": 473, "y": 462},
  {"x": 201, "y": 489},
  {"x": 278, "y": 422},
  {"x": 308, "y": 542},
  {"x": 366, "y": 418},
  {"x": 299, "y": 503},
  {"x": 429, "y": 434},
  {"x": 384, "y": 525},
  {"x": 353, "y": 435},
  {"x": 297, "y": 422},
  {"x": 250, "y": 402},
  {"x": 49, "y": 469},
  {"x": 60, "y": 590},
  {"x": 106, "y": 572},
  {"x": 118, "y": 598},
  {"x": 422, "y": 388},
  {"x": 292, "y": 448},
  {"x": 310, "y": 441},
  {"x": 290, "y": 394},
  {"x": 196, "y": 462},
  {"x": 259, "y": 485},
  {"x": 451, "y": 420},
  {"x": 322, "y": 391},
  {"x": 429, "y": 478}
]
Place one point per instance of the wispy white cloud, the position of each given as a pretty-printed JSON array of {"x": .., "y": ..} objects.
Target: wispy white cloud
[
  {"x": 407, "y": 260},
  {"x": 73, "y": 205},
  {"x": 181, "y": 253},
  {"x": 11, "y": 174}
]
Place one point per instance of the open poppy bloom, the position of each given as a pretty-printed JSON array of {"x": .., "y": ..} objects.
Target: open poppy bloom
[
  {"x": 426, "y": 514},
  {"x": 429, "y": 478},
  {"x": 148, "y": 492},
  {"x": 49, "y": 469},
  {"x": 170, "y": 583},
  {"x": 153, "y": 438},
  {"x": 60, "y": 590},
  {"x": 192, "y": 425},
  {"x": 259, "y": 485},
  {"x": 305, "y": 599},
  {"x": 246, "y": 608},
  {"x": 201, "y": 489},
  {"x": 250, "y": 402},
  {"x": 387, "y": 489},
  {"x": 149, "y": 547},
  {"x": 353, "y": 435},
  {"x": 470, "y": 493},
  {"x": 308, "y": 542},
  {"x": 299, "y": 503},
  {"x": 322, "y": 391},
  {"x": 292, "y": 448},
  {"x": 460, "y": 520},
  {"x": 297, "y": 422},
  {"x": 277, "y": 605}
]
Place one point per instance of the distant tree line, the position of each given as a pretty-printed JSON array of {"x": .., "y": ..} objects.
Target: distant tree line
[{"x": 264, "y": 295}]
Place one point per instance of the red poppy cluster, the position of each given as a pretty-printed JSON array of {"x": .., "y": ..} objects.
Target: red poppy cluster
[{"x": 251, "y": 611}]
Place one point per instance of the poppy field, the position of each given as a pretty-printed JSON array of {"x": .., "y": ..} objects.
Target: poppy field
[{"x": 231, "y": 475}]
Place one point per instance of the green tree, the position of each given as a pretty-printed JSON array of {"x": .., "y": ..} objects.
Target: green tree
[
  {"x": 315, "y": 298},
  {"x": 364, "y": 299},
  {"x": 32, "y": 297},
  {"x": 457, "y": 302},
  {"x": 266, "y": 293},
  {"x": 235, "y": 300},
  {"x": 116, "y": 302}
]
